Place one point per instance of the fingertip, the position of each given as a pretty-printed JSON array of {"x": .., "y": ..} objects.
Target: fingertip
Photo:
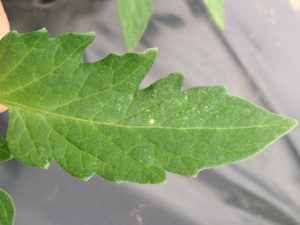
[
  {"x": 4, "y": 24},
  {"x": 2, "y": 108}
]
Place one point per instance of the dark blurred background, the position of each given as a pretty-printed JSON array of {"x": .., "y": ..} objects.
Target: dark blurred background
[{"x": 256, "y": 57}]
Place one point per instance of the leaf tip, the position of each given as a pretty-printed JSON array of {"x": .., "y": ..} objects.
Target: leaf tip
[
  {"x": 46, "y": 165},
  {"x": 43, "y": 30},
  {"x": 295, "y": 122},
  {"x": 165, "y": 181},
  {"x": 180, "y": 75},
  {"x": 292, "y": 123},
  {"x": 216, "y": 9},
  {"x": 86, "y": 179},
  {"x": 220, "y": 24},
  {"x": 151, "y": 51},
  {"x": 150, "y": 54},
  {"x": 287, "y": 124},
  {"x": 91, "y": 34}
]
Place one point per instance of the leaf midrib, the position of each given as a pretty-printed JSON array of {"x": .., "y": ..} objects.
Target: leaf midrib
[{"x": 11, "y": 104}]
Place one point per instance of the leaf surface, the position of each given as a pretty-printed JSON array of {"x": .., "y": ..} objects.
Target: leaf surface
[
  {"x": 7, "y": 209},
  {"x": 4, "y": 152},
  {"x": 216, "y": 9},
  {"x": 92, "y": 118},
  {"x": 134, "y": 16}
]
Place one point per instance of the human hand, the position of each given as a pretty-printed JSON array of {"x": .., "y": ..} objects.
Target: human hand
[{"x": 4, "y": 28}]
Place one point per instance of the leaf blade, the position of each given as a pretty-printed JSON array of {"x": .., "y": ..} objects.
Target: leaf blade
[
  {"x": 4, "y": 151},
  {"x": 134, "y": 16},
  {"x": 216, "y": 9},
  {"x": 7, "y": 209},
  {"x": 93, "y": 119}
]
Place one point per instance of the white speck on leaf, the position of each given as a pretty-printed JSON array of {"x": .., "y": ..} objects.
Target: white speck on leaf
[
  {"x": 207, "y": 108},
  {"x": 151, "y": 121}
]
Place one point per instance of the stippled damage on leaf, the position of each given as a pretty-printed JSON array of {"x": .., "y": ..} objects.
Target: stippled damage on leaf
[{"x": 92, "y": 118}]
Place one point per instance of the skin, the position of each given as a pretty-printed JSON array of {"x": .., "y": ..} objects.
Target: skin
[
  {"x": 4, "y": 28},
  {"x": 4, "y": 25}
]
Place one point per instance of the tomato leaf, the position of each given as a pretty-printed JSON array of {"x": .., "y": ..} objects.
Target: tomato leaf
[
  {"x": 92, "y": 118},
  {"x": 134, "y": 16},
  {"x": 216, "y": 9},
  {"x": 7, "y": 209},
  {"x": 4, "y": 152}
]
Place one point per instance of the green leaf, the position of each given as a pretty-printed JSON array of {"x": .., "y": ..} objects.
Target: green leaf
[
  {"x": 4, "y": 152},
  {"x": 7, "y": 209},
  {"x": 134, "y": 16},
  {"x": 216, "y": 9},
  {"x": 93, "y": 119}
]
